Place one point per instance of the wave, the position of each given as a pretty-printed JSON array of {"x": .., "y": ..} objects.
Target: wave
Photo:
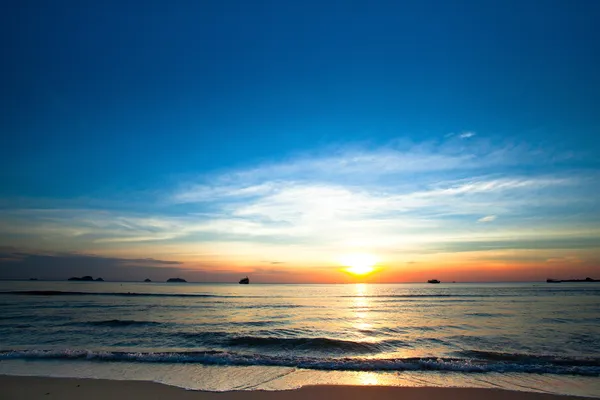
[
  {"x": 271, "y": 341},
  {"x": 428, "y": 296},
  {"x": 487, "y": 315},
  {"x": 384, "y": 298},
  {"x": 313, "y": 344},
  {"x": 118, "y": 294},
  {"x": 158, "y": 295},
  {"x": 137, "y": 294},
  {"x": 533, "y": 364},
  {"x": 531, "y": 358},
  {"x": 13, "y": 317},
  {"x": 120, "y": 323}
]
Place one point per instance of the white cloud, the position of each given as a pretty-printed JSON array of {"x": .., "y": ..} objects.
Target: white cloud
[
  {"x": 399, "y": 166},
  {"x": 308, "y": 212},
  {"x": 389, "y": 198},
  {"x": 200, "y": 193},
  {"x": 462, "y": 135},
  {"x": 487, "y": 218},
  {"x": 466, "y": 135}
]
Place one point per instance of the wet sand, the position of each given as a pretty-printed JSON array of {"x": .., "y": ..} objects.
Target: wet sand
[{"x": 25, "y": 387}]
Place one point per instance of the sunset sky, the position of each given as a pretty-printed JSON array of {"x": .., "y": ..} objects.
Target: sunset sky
[{"x": 281, "y": 139}]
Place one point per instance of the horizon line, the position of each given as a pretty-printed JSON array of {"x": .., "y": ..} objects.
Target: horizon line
[{"x": 272, "y": 283}]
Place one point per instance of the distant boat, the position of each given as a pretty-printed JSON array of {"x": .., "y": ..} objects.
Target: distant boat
[
  {"x": 244, "y": 281},
  {"x": 433, "y": 281},
  {"x": 147, "y": 280}
]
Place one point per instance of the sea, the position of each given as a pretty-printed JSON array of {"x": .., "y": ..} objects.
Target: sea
[{"x": 539, "y": 337}]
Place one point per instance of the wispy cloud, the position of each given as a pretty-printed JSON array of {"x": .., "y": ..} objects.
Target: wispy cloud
[
  {"x": 397, "y": 199},
  {"x": 466, "y": 135},
  {"x": 461, "y": 135}
]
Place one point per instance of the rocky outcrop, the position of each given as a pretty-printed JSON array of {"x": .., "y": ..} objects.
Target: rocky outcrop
[
  {"x": 86, "y": 278},
  {"x": 588, "y": 279}
]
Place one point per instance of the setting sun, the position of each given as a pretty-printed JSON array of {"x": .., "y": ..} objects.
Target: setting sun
[{"x": 359, "y": 264}]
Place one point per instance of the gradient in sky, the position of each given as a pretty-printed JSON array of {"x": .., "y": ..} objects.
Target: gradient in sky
[{"x": 212, "y": 139}]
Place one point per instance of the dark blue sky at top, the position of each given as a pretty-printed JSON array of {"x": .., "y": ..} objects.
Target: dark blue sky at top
[{"x": 107, "y": 95}]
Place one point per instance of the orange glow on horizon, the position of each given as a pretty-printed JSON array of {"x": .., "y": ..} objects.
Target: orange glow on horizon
[{"x": 374, "y": 265}]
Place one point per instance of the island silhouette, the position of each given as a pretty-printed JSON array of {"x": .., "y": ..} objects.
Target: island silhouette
[
  {"x": 86, "y": 278},
  {"x": 588, "y": 279},
  {"x": 175, "y": 280}
]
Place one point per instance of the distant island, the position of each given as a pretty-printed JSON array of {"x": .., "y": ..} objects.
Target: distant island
[
  {"x": 588, "y": 279},
  {"x": 99, "y": 279},
  {"x": 433, "y": 281},
  {"x": 172, "y": 280},
  {"x": 86, "y": 278},
  {"x": 147, "y": 280}
]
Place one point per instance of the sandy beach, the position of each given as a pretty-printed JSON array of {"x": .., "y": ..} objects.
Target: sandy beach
[{"x": 20, "y": 387}]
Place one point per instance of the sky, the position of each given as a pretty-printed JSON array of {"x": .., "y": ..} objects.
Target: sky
[{"x": 279, "y": 139}]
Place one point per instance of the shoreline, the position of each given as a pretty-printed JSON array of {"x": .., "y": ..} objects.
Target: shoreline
[{"x": 34, "y": 387}]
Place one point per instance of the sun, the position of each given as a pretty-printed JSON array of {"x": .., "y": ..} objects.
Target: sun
[{"x": 359, "y": 264}]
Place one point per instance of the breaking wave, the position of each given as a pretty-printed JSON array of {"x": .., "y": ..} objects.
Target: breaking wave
[
  {"x": 487, "y": 361},
  {"x": 272, "y": 342}
]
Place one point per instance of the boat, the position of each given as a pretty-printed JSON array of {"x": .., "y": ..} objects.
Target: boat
[
  {"x": 244, "y": 281},
  {"x": 433, "y": 281}
]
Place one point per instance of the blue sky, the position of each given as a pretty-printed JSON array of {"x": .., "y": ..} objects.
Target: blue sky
[{"x": 232, "y": 135}]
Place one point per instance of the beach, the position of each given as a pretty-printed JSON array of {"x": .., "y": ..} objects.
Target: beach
[
  {"x": 540, "y": 338},
  {"x": 285, "y": 200},
  {"x": 33, "y": 388}
]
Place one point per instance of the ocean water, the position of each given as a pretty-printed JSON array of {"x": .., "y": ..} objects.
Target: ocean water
[{"x": 537, "y": 337}]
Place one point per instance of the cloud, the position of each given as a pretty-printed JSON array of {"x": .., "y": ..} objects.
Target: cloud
[
  {"x": 405, "y": 167},
  {"x": 43, "y": 265},
  {"x": 397, "y": 199},
  {"x": 462, "y": 135},
  {"x": 565, "y": 260},
  {"x": 315, "y": 219},
  {"x": 466, "y": 135},
  {"x": 530, "y": 240},
  {"x": 488, "y": 218},
  {"x": 49, "y": 265}
]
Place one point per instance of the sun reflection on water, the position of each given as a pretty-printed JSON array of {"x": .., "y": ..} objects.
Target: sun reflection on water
[
  {"x": 361, "y": 307},
  {"x": 368, "y": 378}
]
